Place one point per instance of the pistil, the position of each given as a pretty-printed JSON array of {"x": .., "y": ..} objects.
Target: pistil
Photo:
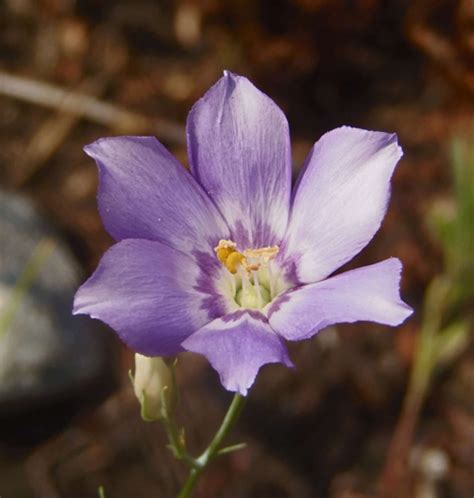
[{"x": 258, "y": 290}]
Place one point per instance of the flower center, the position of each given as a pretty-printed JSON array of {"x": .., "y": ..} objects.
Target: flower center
[
  {"x": 253, "y": 296},
  {"x": 254, "y": 284}
]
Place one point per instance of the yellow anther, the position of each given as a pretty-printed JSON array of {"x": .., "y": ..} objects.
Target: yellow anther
[
  {"x": 250, "y": 259},
  {"x": 228, "y": 255},
  {"x": 233, "y": 261},
  {"x": 225, "y": 244},
  {"x": 264, "y": 254},
  {"x": 223, "y": 253}
]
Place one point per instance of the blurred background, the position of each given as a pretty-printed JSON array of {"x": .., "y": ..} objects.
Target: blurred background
[{"x": 369, "y": 411}]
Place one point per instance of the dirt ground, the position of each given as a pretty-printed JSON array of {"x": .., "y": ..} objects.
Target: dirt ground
[{"x": 321, "y": 430}]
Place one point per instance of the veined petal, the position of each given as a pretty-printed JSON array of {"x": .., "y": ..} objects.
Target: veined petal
[
  {"x": 369, "y": 293},
  {"x": 340, "y": 199},
  {"x": 237, "y": 345},
  {"x": 146, "y": 291},
  {"x": 146, "y": 193},
  {"x": 239, "y": 150}
]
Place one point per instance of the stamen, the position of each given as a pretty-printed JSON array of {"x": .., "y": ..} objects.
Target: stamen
[
  {"x": 256, "y": 284},
  {"x": 271, "y": 280},
  {"x": 224, "y": 243},
  {"x": 250, "y": 259},
  {"x": 233, "y": 283},
  {"x": 228, "y": 255},
  {"x": 234, "y": 261},
  {"x": 244, "y": 277},
  {"x": 263, "y": 255},
  {"x": 247, "y": 290}
]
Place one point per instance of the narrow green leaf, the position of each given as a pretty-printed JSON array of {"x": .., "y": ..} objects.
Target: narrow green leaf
[
  {"x": 37, "y": 259},
  {"x": 232, "y": 448},
  {"x": 451, "y": 342}
]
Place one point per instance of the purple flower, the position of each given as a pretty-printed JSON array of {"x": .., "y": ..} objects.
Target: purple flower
[{"x": 229, "y": 261}]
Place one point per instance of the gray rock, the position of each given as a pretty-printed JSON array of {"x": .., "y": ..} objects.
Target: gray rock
[{"x": 46, "y": 351}]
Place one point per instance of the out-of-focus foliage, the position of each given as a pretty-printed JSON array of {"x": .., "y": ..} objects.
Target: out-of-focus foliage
[
  {"x": 23, "y": 284},
  {"x": 446, "y": 325},
  {"x": 453, "y": 221},
  {"x": 405, "y": 67},
  {"x": 445, "y": 328}
]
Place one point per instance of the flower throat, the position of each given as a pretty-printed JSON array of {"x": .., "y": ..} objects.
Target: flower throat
[{"x": 249, "y": 266}]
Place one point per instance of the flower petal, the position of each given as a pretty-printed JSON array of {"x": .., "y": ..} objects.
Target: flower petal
[
  {"x": 145, "y": 290},
  {"x": 369, "y": 293},
  {"x": 239, "y": 150},
  {"x": 340, "y": 199},
  {"x": 146, "y": 193},
  {"x": 237, "y": 345}
]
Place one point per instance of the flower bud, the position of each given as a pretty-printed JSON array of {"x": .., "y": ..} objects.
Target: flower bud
[{"x": 153, "y": 386}]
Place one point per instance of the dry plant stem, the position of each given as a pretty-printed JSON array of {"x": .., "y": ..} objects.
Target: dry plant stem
[
  {"x": 52, "y": 133},
  {"x": 438, "y": 48},
  {"x": 393, "y": 481},
  {"x": 81, "y": 104},
  {"x": 212, "y": 450},
  {"x": 55, "y": 129}
]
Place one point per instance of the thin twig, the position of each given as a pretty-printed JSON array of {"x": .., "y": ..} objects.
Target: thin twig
[
  {"x": 91, "y": 108},
  {"x": 52, "y": 133}
]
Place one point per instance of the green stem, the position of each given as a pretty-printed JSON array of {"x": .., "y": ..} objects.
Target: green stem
[
  {"x": 177, "y": 443},
  {"x": 212, "y": 450},
  {"x": 229, "y": 420},
  {"x": 190, "y": 483}
]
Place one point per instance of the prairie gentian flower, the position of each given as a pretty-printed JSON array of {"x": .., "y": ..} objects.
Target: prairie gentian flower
[{"x": 227, "y": 260}]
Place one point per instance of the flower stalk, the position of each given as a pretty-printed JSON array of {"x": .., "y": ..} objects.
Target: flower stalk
[
  {"x": 168, "y": 395},
  {"x": 177, "y": 440},
  {"x": 177, "y": 443},
  {"x": 214, "y": 449}
]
